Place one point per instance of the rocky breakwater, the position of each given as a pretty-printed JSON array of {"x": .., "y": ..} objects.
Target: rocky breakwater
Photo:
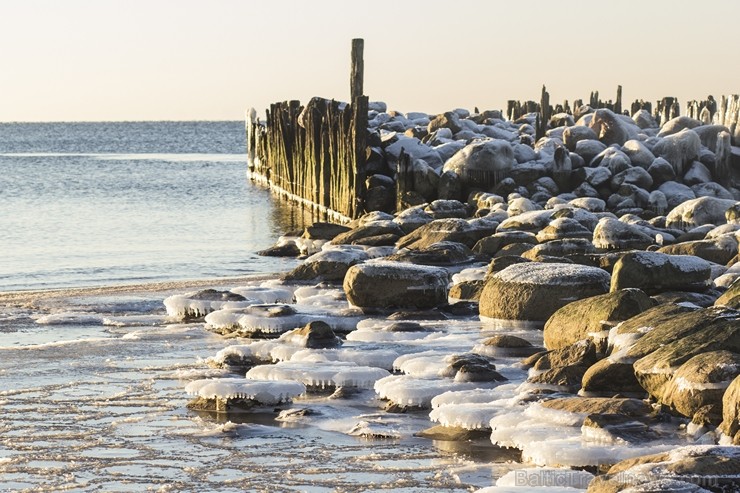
[{"x": 626, "y": 319}]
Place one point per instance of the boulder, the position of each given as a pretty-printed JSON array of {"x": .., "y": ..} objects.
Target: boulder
[
  {"x": 589, "y": 317},
  {"x": 612, "y": 234},
  {"x": 327, "y": 265},
  {"x": 639, "y": 154},
  {"x": 598, "y": 405},
  {"x": 632, "y": 176},
  {"x": 731, "y": 297},
  {"x": 611, "y": 128},
  {"x": 441, "y": 253},
  {"x": 534, "y": 291},
  {"x": 607, "y": 377},
  {"x": 506, "y": 345},
  {"x": 718, "y": 250},
  {"x": 677, "y": 124},
  {"x": 697, "y": 174},
  {"x": 698, "y": 212},
  {"x": 353, "y": 236},
  {"x": 679, "y": 149},
  {"x": 488, "y": 160},
  {"x": 449, "y": 120},
  {"x": 559, "y": 249},
  {"x": 383, "y": 285},
  {"x": 654, "y": 272},
  {"x": 730, "y": 425},
  {"x": 589, "y": 149},
  {"x": 701, "y": 381},
  {"x": 661, "y": 171},
  {"x": 314, "y": 335},
  {"x": 324, "y": 231},
  {"x": 572, "y": 135},
  {"x": 668, "y": 346},
  {"x": 451, "y": 229},
  {"x": 443, "y": 209},
  {"x": 581, "y": 353},
  {"x": 563, "y": 228},
  {"x": 490, "y": 245}
]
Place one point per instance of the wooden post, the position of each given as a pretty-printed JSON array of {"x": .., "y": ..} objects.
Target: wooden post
[
  {"x": 618, "y": 103},
  {"x": 357, "y": 72}
]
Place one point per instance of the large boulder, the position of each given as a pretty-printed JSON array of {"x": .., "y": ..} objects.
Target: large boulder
[
  {"x": 698, "y": 212},
  {"x": 534, "y": 291},
  {"x": 607, "y": 377},
  {"x": 384, "y": 285},
  {"x": 611, "y": 128},
  {"x": 730, "y": 425},
  {"x": 451, "y": 229},
  {"x": 327, "y": 265},
  {"x": 731, "y": 297},
  {"x": 701, "y": 381},
  {"x": 486, "y": 159},
  {"x": 654, "y": 272},
  {"x": 612, "y": 234},
  {"x": 679, "y": 149},
  {"x": 718, "y": 250},
  {"x": 669, "y": 345},
  {"x": 585, "y": 318}
]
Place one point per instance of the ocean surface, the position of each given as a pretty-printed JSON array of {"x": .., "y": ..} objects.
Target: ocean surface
[
  {"x": 85, "y": 204},
  {"x": 115, "y": 217}
]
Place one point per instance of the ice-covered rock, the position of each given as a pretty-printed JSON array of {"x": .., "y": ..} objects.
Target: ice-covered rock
[
  {"x": 730, "y": 425},
  {"x": 679, "y": 149},
  {"x": 227, "y": 393},
  {"x": 327, "y": 265},
  {"x": 199, "y": 304},
  {"x": 534, "y": 291},
  {"x": 654, "y": 272},
  {"x": 698, "y": 212},
  {"x": 319, "y": 375},
  {"x": 452, "y": 229},
  {"x": 487, "y": 160}
]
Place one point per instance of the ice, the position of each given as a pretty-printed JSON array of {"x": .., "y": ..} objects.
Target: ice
[
  {"x": 470, "y": 274},
  {"x": 426, "y": 364},
  {"x": 380, "y": 358},
  {"x": 265, "y": 294},
  {"x": 133, "y": 320},
  {"x": 200, "y": 373},
  {"x": 244, "y": 354},
  {"x": 475, "y": 396},
  {"x": 319, "y": 296},
  {"x": 320, "y": 374},
  {"x": 406, "y": 390},
  {"x": 262, "y": 318},
  {"x": 182, "y": 306},
  {"x": 545, "y": 478},
  {"x": 267, "y": 392},
  {"x": 70, "y": 318}
]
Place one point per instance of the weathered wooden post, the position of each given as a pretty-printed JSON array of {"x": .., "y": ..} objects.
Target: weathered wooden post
[
  {"x": 618, "y": 103},
  {"x": 357, "y": 71}
]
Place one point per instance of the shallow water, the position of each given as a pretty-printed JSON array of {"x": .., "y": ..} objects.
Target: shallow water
[{"x": 91, "y": 407}]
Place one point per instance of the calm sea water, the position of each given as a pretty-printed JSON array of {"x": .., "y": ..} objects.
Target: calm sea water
[{"x": 86, "y": 204}]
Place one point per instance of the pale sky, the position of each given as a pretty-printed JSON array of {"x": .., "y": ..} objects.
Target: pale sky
[{"x": 65, "y": 60}]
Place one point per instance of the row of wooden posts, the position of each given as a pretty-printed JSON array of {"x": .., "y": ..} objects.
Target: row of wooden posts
[{"x": 316, "y": 154}]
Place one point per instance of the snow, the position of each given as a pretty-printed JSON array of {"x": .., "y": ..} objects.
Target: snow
[
  {"x": 470, "y": 274},
  {"x": 263, "y": 391},
  {"x": 553, "y": 274},
  {"x": 264, "y": 294}
]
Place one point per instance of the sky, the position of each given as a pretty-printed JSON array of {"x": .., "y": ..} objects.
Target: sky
[{"x": 97, "y": 60}]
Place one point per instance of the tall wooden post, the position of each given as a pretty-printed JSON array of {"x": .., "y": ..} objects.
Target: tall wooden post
[
  {"x": 618, "y": 104},
  {"x": 357, "y": 72}
]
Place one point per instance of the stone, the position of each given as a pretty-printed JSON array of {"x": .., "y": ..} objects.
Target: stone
[
  {"x": 731, "y": 297},
  {"x": 718, "y": 250},
  {"x": 490, "y": 245},
  {"x": 730, "y": 425},
  {"x": 701, "y": 381},
  {"x": 581, "y": 353},
  {"x": 613, "y": 159},
  {"x": 506, "y": 345},
  {"x": 559, "y": 249},
  {"x": 482, "y": 161},
  {"x": 587, "y": 317},
  {"x": 444, "y": 209},
  {"x": 563, "y": 228},
  {"x": 676, "y": 193},
  {"x": 698, "y": 212},
  {"x": 679, "y": 149},
  {"x": 327, "y": 265},
  {"x": 467, "y": 290},
  {"x": 639, "y": 154},
  {"x": 314, "y": 335},
  {"x": 500, "y": 263},
  {"x": 281, "y": 249},
  {"x": 385, "y": 285},
  {"x": 612, "y": 234},
  {"x": 412, "y": 218},
  {"x": 599, "y": 405},
  {"x": 441, "y": 253},
  {"x": 677, "y": 124},
  {"x": 633, "y": 176},
  {"x": 572, "y": 135},
  {"x": 661, "y": 171},
  {"x": 471, "y": 367},
  {"x": 324, "y": 231},
  {"x": 590, "y": 204},
  {"x": 451, "y": 229},
  {"x": 654, "y": 272},
  {"x": 534, "y": 291},
  {"x": 561, "y": 379},
  {"x": 449, "y": 120},
  {"x": 680, "y": 339},
  {"x": 532, "y": 221},
  {"x": 606, "y": 377},
  {"x": 589, "y": 149},
  {"x": 610, "y": 128},
  {"x": 352, "y": 236}
]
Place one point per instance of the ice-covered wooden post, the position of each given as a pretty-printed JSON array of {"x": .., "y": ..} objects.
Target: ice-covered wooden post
[{"x": 357, "y": 72}]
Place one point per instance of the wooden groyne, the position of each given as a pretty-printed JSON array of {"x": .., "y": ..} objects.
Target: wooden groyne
[
  {"x": 327, "y": 156},
  {"x": 315, "y": 154}
]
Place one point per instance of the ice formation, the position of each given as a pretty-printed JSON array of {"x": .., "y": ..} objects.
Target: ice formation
[
  {"x": 406, "y": 390},
  {"x": 320, "y": 374},
  {"x": 267, "y": 392}
]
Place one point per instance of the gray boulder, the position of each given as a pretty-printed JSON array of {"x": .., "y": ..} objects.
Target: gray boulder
[{"x": 654, "y": 272}]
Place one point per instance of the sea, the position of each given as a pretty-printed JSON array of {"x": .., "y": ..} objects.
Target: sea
[{"x": 99, "y": 223}]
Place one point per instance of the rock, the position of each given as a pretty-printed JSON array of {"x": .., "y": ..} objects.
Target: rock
[
  {"x": 467, "y": 290},
  {"x": 449, "y": 187},
  {"x": 599, "y": 405},
  {"x": 613, "y": 159},
  {"x": 324, "y": 231},
  {"x": 528, "y": 221},
  {"x": 701, "y": 381},
  {"x": 471, "y": 367},
  {"x": 698, "y": 212},
  {"x": 356, "y": 235},
  {"x": 327, "y": 265},
  {"x": 587, "y": 317},
  {"x": 644, "y": 119},
  {"x": 589, "y": 149},
  {"x": 581, "y": 353},
  {"x": 730, "y": 425},
  {"x": 449, "y": 120},
  {"x": 563, "y": 228},
  {"x": 731, "y": 297},
  {"x": 661, "y": 171},
  {"x": 412, "y": 218},
  {"x": 676, "y": 193},
  {"x": 453, "y": 434},
  {"x": 678, "y": 340},
  {"x": 414, "y": 148},
  {"x": 444, "y": 209},
  {"x": 452, "y": 229},
  {"x": 711, "y": 189},
  {"x": 703, "y": 300},
  {"x": 500, "y": 263},
  {"x": 654, "y": 272},
  {"x": 633, "y": 176},
  {"x": 384, "y": 285},
  {"x": 192, "y": 306},
  {"x": 639, "y": 154},
  {"x": 534, "y": 291},
  {"x": 610, "y": 128},
  {"x": 681, "y": 469},
  {"x": 505, "y": 345},
  {"x": 612, "y": 234},
  {"x": 558, "y": 249},
  {"x": 697, "y": 174},
  {"x": 561, "y": 379},
  {"x": 589, "y": 203},
  {"x": 314, "y": 335},
  {"x": 679, "y": 149},
  {"x": 677, "y": 124},
  {"x": 607, "y": 377},
  {"x": 441, "y": 253},
  {"x": 481, "y": 161},
  {"x": 281, "y": 249},
  {"x": 719, "y": 250},
  {"x": 490, "y": 245},
  {"x": 572, "y": 135}
]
